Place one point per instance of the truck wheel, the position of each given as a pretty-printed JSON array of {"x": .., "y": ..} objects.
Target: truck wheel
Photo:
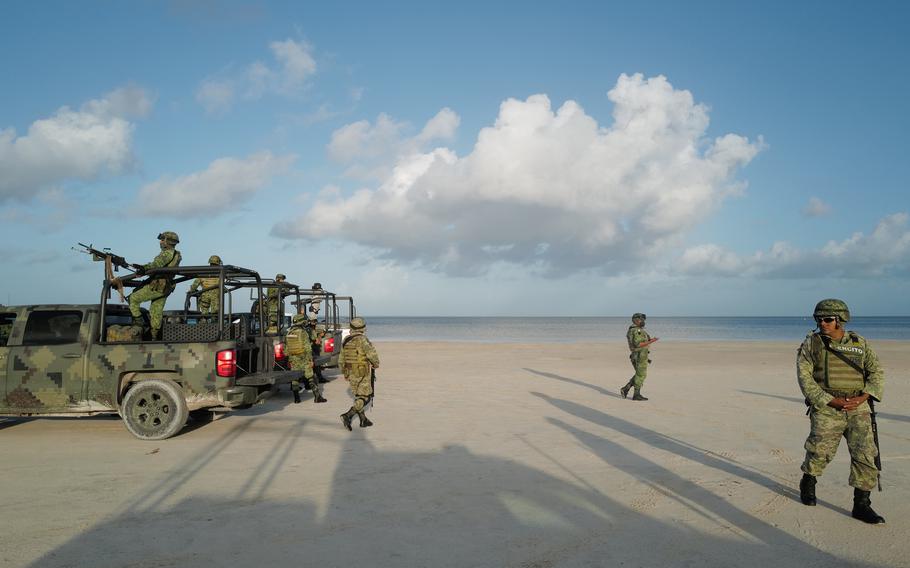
[{"x": 154, "y": 409}]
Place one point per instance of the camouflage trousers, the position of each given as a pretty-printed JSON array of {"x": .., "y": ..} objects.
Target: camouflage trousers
[
  {"x": 827, "y": 427},
  {"x": 207, "y": 303},
  {"x": 156, "y": 309},
  {"x": 640, "y": 365},
  {"x": 303, "y": 363},
  {"x": 362, "y": 390}
]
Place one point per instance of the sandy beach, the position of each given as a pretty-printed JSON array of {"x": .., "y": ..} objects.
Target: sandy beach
[{"x": 492, "y": 455}]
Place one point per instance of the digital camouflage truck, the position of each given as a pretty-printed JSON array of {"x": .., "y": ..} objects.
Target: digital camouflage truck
[{"x": 86, "y": 359}]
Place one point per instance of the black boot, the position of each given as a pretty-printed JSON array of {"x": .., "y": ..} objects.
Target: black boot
[
  {"x": 807, "y": 490},
  {"x": 862, "y": 508},
  {"x": 346, "y": 418},
  {"x": 638, "y": 396},
  {"x": 364, "y": 421},
  {"x": 296, "y": 396},
  {"x": 319, "y": 398},
  {"x": 624, "y": 391}
]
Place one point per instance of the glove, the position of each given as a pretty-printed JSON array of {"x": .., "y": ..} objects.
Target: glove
[{"x": 140, "y": 270}]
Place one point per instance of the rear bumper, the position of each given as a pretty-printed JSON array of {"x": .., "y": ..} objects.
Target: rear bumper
[{"x": 266, "y": 379}]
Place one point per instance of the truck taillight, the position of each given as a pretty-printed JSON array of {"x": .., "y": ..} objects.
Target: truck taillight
[
  {"x": 280, "y": 355},
  {"x": 329, "y": 345},
  {"x": 226, "y": 363}
]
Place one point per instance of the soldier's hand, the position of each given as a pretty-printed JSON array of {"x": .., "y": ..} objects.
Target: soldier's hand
[
  {"x": 853, "y": 402},
  {"x": 838, "y": 403}
]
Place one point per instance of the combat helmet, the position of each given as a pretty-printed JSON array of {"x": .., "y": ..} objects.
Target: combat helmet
[
  {"x": 280, "y": 276},
  {"x": 215, "y": 260},
  {"x": 299, "y": 319},
  {"x": 358, "y": 323},
  {"x": 832, "y": 307},
  {"x": 639, "y": 316},
  {"x": 170, "y": 237}
]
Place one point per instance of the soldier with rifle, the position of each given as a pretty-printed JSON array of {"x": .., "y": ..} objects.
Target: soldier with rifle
[
  {"x": 358, "y": 362},
  {"x": 154, "y": 289},
  {"x": 840, "y": 376}
]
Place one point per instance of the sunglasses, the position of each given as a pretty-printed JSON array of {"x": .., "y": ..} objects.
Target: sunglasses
[{"x": 829, "y": 319}]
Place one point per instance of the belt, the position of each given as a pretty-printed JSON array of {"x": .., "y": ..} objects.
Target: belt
[{"x": 843, "y": 394}]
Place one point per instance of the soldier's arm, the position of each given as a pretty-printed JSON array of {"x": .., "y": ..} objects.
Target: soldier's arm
[
  {"x": 875, "y": 375},
  {"x": 195, "y": 285},
  {"x": 163, "y": 259},
  {"x": 817, "y": 397},
  {"x": 372, "y": 355}
]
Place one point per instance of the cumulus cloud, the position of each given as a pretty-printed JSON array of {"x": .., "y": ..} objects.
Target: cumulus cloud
[
  {"x": 83, "y": 144},
  {"x": 542, "y": 188},
  {"x": 816, "y": 208},
  {"x": 371, "y": 150},
  {"x": 225, "y": 184},
  {"x": 287, "y": 74},
  {"x": 883, "y": 252}
]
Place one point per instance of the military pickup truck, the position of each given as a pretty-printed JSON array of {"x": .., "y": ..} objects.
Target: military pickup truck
[{"x": 69, "y": 360}]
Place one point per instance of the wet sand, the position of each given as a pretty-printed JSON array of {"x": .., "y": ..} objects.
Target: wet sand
[{"x": 482, "y": 455}]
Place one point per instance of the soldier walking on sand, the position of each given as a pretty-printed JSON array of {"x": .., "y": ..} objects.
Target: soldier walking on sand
[
  {"x": 840, "y": 376},
  {"x": 156, "y": 290},
  {"x": 639, "y": 341},
  {"x": 301, "y": 358},
  {"x": 358, "y": 359}
]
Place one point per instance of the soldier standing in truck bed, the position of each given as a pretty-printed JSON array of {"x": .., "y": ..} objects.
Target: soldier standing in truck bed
[{"x": 156, "y": 290}]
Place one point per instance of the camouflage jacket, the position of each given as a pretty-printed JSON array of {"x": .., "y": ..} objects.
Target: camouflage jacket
[{"x": 807, "y": 360}]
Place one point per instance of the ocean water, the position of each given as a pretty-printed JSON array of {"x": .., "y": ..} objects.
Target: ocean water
[{"x": 597, "y": 329}]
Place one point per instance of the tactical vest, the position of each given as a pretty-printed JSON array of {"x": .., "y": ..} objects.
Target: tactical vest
[
  {"x": 297, "y": 340},
  {"x": 633, "y": 345},
  {"x": 832, "y": 369},
  {"x": 355, "y": 357},
  {"x": 166, "y": 283},
  {"x": 208, "y": 283}
]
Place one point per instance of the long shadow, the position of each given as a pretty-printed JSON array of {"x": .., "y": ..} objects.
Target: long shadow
[
  {"x": 445, "y": 508},
  {"x": 802, "y": 402},
  {"x": 601, "y": 390},
  {"x": 675, "y": 446}
]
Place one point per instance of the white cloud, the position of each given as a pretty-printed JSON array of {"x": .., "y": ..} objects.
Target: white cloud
[
  {"x": 83, "y": 144},
  {"x": 550, "y": 190},
  {"x": 816, "y": 208},
  {"x": 215, "y": 96},
  {"x": 375, "y": 148},
  {"x": 287, "y": 75},
  {"x": 885, "y": 251},
  {"x": 225, "y": 184}
]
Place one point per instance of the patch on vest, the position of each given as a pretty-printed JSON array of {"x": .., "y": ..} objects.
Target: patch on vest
[{"x": 847, "y": 349}]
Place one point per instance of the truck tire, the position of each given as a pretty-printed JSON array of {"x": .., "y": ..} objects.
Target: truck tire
[{"x": 154, "y": 409}]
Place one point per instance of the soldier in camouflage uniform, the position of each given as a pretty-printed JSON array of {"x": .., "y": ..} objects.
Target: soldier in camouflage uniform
[
  {"x": 839, "y": 373},
  {"x": 207, "y": 302},
  {"x": 639, "y": 341},
  {"x": 301, "y": 358},
  {"x": 272, "y": 300},
  {"x": 358, "y": 358},
  {"x": 316, "y": 335},
  {"x": 156, "y": 290}
]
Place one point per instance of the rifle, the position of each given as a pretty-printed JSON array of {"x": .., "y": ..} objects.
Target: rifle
[
  {"x": 878, "y": 451},
  {"x": 112, "y": 262},
  {"x": 373, "y": 386},
  {"x": 116, "y": 260}
]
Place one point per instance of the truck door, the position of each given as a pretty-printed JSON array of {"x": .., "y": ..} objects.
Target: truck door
[
  {"x": 46, "y": 372},
  {"x": 6, "y": 326}
]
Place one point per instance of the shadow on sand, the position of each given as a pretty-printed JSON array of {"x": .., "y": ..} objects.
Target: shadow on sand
[{"x": 441, "y": 508}]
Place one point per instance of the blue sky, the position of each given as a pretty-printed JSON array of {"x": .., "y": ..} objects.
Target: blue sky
[{"x": 571, "y": 158}]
